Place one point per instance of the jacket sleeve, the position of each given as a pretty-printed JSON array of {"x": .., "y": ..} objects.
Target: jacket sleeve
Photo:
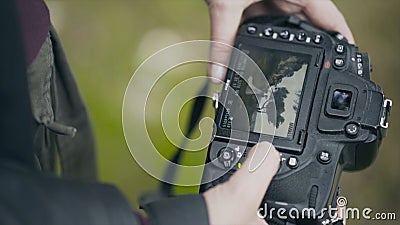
[
  {"x": 31, "y": 198},
  {"x": 181, "y": 210}
]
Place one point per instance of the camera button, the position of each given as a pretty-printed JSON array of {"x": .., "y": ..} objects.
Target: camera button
[
  {"x": 251, "y": 30},
  {"x": 292, "y": 162},
  {"x": 324, "y": 157},
  {"x": 268, "y": 32},
  {"x": 301, "y": 36},
  {"x": 284, "y": 34},
  {"x": 340, "y": 49},
  {"x": 339, "y": 62},
  {"x": 317, "y": 39},
  {"x": 352, "y": 129},
  {"x": 226, "y": 157},
  {"x": 291, "y": 38}
]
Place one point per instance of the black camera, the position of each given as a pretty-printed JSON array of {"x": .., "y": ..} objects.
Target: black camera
[{"x": 329, "y": 115}]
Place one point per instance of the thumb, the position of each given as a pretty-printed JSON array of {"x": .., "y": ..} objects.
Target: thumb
[
  {"x": 260, "y": 167},
  {"x": 237, "y": 201},
  {"x": 258, "y": 221}
]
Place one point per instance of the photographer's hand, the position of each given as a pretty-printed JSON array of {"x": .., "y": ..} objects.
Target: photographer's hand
[
  {"x": 226, "y": 15},
  {"x": 237, "y": 201}
]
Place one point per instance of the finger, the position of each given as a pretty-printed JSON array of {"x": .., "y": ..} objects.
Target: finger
[
  {"x": 224, "y": 23},
  {"x": 256, "y": 180},
  {"x": 225, "y": 18},
  {"x": 325, "y": 14},
  {"x": 229, "y": 197},
  {"x": 261, "y": 8},
  {"x": 274, "y": 7}
]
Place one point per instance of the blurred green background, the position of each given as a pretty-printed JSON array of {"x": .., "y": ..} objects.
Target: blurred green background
[{"x": 106, "y": 40}]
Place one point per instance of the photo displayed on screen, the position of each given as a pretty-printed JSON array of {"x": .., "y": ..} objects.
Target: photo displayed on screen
[{"x": 285, "y": 73}]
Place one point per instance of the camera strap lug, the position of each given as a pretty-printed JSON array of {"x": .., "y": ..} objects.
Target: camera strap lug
[{"x": 387, "y": 107}]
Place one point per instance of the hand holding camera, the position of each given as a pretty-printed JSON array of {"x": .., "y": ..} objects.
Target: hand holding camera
[
  {"x": 226, "y": 15},
  {"x": 237, "y": 200},
  {"x": 330, "y": 116}
]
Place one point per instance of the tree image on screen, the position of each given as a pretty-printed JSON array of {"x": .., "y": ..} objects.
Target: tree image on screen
[{"x": 285, "y": 73}]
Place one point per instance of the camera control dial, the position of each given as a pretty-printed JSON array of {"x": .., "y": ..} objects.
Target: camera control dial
[{"x": 227, "y": 156}]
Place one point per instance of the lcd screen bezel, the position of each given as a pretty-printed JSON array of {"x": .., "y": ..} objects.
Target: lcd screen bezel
[{"x": 307, "y": 94}]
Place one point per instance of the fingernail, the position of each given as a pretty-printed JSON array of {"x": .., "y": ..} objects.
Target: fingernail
[{"x": 261, "y": 153}]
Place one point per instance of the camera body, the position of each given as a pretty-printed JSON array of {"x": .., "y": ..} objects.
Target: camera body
[{"x": 330, "y": 116}]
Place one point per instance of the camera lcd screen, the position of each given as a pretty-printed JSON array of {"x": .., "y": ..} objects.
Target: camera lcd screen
[{"x": 285, "y": 73}]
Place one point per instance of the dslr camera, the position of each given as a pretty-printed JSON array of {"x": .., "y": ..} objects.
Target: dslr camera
[{"x": 329, "y": 116}]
